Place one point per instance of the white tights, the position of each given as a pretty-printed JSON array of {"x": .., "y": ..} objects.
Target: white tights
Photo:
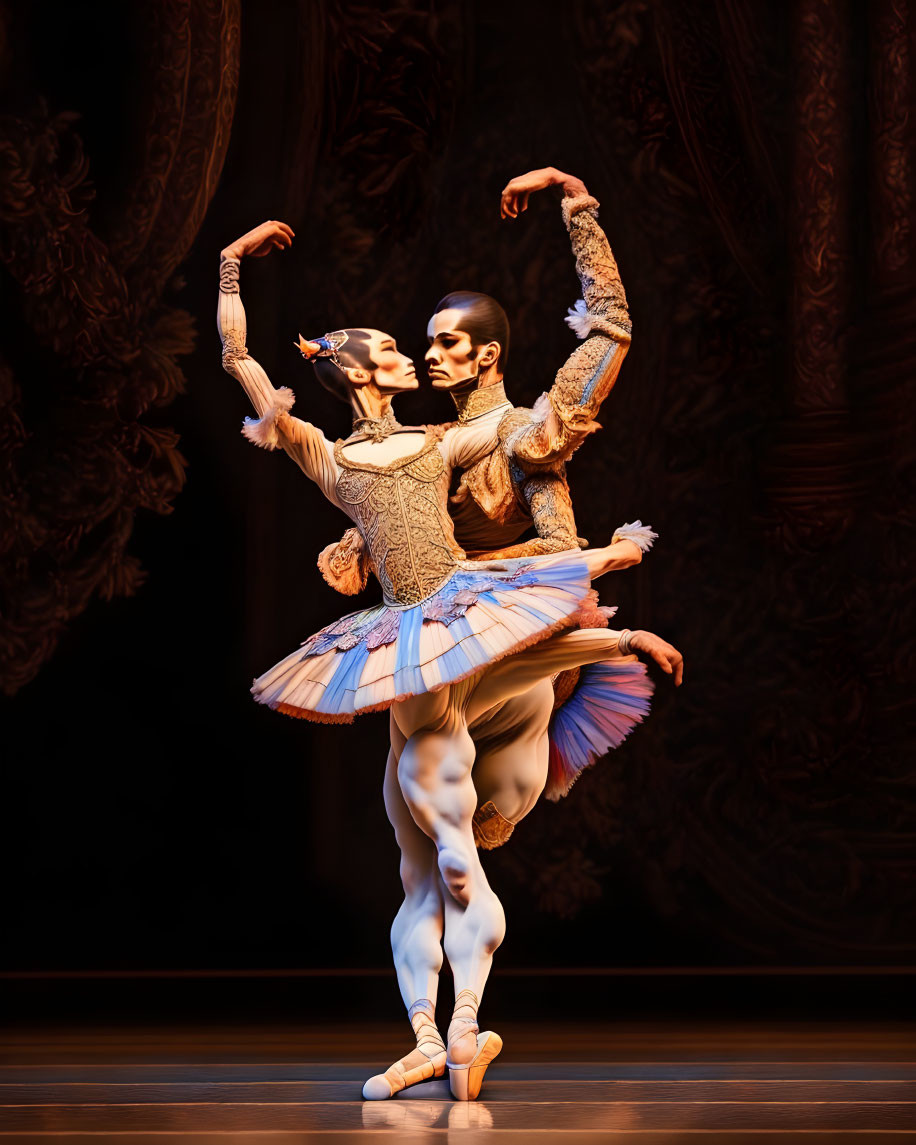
[{"x": 430, "y": 798}]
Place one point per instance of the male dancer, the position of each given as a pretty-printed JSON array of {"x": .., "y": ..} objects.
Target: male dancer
[
  {"x": 520, "y": 483},
  {"x": 523, "y": 481}
]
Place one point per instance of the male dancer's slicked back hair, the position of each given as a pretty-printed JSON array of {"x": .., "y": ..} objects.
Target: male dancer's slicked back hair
[
  {"x": 354, "y": 352},
  {"x": 484, "y": 320}
]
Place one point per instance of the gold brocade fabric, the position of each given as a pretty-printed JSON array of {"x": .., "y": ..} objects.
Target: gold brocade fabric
[
  {"x": 400, "y": 510},
  {"x": 564, "y": 684},
  {"x": 491, "y": 828},
  {"x": 550, "y": 504},
  {"x": 590, "y": 372},
  {"x": 477, "y": 402},
  {"x": 490, "y": 482},
  {"x": 599, "y": 277},
  {"x": 376, "y": 428}
]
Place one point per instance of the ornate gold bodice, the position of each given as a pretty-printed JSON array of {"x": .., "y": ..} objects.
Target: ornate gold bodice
[{"x": 401, "y": 510}]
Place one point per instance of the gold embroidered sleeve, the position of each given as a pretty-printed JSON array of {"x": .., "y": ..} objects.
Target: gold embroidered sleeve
[
  {"x": 550, "y": 505},
  {"x": 567, "y": 414},
  {"x": 602, "y": 289}
]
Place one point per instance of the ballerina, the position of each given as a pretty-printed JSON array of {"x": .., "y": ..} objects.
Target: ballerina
[{"x": 539, "y": 741}]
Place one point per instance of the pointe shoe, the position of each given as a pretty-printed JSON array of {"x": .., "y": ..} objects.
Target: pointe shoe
[
  {"x": 465, "y": 1080},
  {"x": 411, "y": 1070}
]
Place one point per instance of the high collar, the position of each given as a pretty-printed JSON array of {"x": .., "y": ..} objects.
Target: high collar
[
  {"x": 473, "y": 403},
  {"x": 376, "y": 428}
]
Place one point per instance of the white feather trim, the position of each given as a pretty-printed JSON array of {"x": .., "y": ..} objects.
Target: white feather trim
[
  {"x": 263, "y": 430},
  {"x": 541, "y": 408},
  {"x": 640, "y": 534},
  {"x": 579, "y": 320},
  {"x": 539, "y": 412}
]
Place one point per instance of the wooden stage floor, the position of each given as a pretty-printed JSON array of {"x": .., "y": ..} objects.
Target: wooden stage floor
[{"x": 649, "y": 1082}]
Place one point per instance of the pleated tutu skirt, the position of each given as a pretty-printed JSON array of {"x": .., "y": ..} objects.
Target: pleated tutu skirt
[{"x": 369, "y": 659}]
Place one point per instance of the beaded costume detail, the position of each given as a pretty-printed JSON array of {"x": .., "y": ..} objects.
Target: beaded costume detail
[
  {"x": 399, "y": 509},
  {"x": 376, "y": 428},
  {"x": 476, "y": 402}
]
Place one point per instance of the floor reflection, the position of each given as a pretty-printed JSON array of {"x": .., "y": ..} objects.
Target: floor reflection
[
  {"x": 405, "y": 1116},
  {"x": 416, "y": 1114}
]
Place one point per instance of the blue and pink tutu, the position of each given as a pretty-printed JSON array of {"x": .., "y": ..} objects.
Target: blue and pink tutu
[
  {"x": 485, "y": 611},
  {"x": 608, "y": 700}
]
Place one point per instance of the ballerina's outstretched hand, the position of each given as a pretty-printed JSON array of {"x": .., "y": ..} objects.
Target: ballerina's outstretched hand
[{"x": 272, "y": 235}]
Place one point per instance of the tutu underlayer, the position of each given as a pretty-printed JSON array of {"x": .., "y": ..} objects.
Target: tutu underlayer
[
  {"x": 369, "y": 659},
  {"x": 609, "y": 700}
]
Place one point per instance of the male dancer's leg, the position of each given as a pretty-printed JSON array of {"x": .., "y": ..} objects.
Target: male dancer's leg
[
  {"x": 434, "y": 773},
  {"x": 416, "y": 940},
  {"x": 416, "y": 934}
]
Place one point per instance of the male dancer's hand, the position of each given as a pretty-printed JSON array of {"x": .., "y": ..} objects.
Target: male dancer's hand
[
  {"x": 272, "y": 235},
  {"x": 514, "y": 197},
  {"x": 664, "y": 654}
]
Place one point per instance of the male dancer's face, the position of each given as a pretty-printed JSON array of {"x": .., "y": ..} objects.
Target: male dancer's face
[{"x": 451, "y": 358}]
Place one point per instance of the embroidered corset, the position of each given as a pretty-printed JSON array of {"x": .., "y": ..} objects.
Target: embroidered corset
[{"x": 401, "y": 509}]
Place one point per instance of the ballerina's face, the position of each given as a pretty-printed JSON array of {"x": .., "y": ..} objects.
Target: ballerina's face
[{"x": 391, "y": 371}]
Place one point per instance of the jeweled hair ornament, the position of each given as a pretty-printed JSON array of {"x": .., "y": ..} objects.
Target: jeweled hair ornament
[{"x": 327, "y": 346}]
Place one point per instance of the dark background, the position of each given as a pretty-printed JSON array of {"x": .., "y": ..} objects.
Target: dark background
[{"x": 755, "y": 165}]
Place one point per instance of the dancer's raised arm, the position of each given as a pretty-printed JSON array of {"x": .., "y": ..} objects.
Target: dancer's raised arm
[
  {"x": 601, "y": 319},
  {"x": 307, "y": 446}
]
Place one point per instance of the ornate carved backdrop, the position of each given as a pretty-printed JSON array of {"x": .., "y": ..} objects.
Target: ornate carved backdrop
[
  {"x": 755, "y": 167},
  {"x": 97, "y": 345}
]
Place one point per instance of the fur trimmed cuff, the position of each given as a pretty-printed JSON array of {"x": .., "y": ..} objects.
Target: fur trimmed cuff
[
  {"x": 641, "y": 535},
  {"x": 345, "y": 564},
  {"x": 263, "y": 430},
  {"x": 571, "y": 206},
  {"x": 582, "y": 323}
]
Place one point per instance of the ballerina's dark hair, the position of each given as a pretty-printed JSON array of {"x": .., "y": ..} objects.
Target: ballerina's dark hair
[
  {"x": 484, "y": 320},
  {"x": 353, "y": 352}
]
